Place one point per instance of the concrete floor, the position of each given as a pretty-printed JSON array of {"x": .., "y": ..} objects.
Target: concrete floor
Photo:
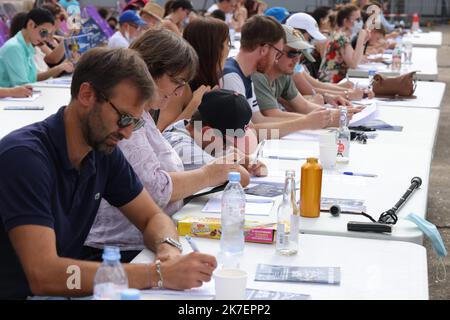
[{"x": 439, "y": 191}]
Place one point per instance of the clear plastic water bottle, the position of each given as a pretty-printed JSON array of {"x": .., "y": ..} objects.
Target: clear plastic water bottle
[
  {"x": 397, "y": 57},
  {"x": 232, "y": 221},
  {"x": 110, "y": 278}
]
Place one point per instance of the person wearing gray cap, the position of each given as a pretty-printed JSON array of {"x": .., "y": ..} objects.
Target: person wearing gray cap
[{"x": 276, "y": 85}]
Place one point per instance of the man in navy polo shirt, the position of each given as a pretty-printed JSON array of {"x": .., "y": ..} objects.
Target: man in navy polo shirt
[{"x": 54, "y": 173}]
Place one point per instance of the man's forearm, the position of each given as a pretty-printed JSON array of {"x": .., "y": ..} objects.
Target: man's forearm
[
  {"x": 75, "y": 278},
  {"x": 158, "y": 227}
]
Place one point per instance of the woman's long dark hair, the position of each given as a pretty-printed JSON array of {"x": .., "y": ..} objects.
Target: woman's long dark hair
[{"x": 207, "y": 36}]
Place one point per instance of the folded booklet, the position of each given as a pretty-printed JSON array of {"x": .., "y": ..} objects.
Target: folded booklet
[
  {"x": 381, "y": 125},
  {"x": 255, "y": 294},
  {"x": 265, "y": 190},
  {"x": 276, "y": 273}
]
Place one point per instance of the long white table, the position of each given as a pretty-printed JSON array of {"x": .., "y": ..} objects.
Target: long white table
[
  {"x": 432, "y": 39},
  {"x": 427, "y": 95},
  {"x": 395, "y": 157},
  {"x": 51, "y": 99},
  {"x": 424, "y": 60},
  {"x": 370, "y": 269}
]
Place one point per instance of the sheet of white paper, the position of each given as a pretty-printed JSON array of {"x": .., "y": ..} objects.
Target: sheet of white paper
[
  {"x": 369, "y": 113},
  {"x": 279, "y": 149},
  {"x": 259, "y": 207},
  {"x": 307, "y": 135},
  {"x": 206, "y": 291},
  {"x": 35, "y": 95}
]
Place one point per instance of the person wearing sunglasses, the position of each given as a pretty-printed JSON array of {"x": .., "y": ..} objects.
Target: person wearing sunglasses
[
  {"x": 276, "y": 86},
  {"x": 172, "y": 62},
  {"x": 18, "y": 64},
  {"x": 53, "y": 45},
  {"x": 130, "y": 28},
  {"x": 54, "y": 174}
]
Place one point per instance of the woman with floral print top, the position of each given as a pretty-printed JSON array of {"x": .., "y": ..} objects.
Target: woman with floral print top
[{"x": 339, "y": 55}]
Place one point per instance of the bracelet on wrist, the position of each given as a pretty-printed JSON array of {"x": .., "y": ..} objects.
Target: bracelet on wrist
[{"x": 158, "y": 271}]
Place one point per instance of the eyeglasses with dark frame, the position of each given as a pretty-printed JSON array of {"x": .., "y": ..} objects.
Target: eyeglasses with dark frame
[
  {"x": 279, "y": 52},
  {"x": 125, "y": 120}
]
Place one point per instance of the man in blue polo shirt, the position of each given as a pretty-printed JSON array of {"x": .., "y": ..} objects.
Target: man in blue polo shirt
[{"x": 54, "y": 173}]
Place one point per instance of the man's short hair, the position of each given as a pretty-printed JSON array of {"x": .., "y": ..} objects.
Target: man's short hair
[
  {"x": 259, "y": 30},
  {"x": 104, "y": 68}
]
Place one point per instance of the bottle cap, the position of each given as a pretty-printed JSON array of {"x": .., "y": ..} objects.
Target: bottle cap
[
  {"x": 312, "y": 160},
  {"x": 111, "y": 253},
  {"x": 234, "y": 176},
  {"x": 130, "y": 294}
]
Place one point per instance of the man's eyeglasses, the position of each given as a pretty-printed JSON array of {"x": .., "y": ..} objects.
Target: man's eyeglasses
[
  {"x": 279, "y": 52},
  {"x": 125, "y": 120},
  {"x": 292, "y": 54}
]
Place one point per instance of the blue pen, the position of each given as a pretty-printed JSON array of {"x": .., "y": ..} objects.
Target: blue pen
[
  {"x": 369, "y": 175},
  {"x": 192, "y": 243},
  {"x": 258, "y": 200}
]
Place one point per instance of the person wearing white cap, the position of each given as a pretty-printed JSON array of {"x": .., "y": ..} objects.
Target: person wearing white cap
[
  {"x": 276, "y": 85},
  {"x": 331, "y": 93},
  {"x": 304, "y": 22}
]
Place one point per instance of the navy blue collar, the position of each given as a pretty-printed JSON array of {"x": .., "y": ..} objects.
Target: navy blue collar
[{"x": 57, "y": 134}]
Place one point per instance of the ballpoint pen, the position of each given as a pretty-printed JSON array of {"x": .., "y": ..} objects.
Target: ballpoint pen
[
  {"x": 192, "y": 243},
  {"x": 259, "y": 151},
  {"x": 369, "y": 175}
]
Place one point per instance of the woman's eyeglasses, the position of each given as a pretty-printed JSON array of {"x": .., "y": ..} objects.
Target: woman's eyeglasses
[
  {"x": 125, "y": 120},
  {"x": 44, "y": 33}
]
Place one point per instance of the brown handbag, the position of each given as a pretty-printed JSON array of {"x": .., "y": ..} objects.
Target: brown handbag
[{"x": 403, "y": 85}]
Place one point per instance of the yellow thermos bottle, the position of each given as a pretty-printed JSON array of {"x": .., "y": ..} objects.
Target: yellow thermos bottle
[{"x": 310, "y": 188}]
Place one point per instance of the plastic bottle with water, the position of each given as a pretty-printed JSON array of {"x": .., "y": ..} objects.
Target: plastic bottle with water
[
  {"x": 232, "y": 221},
  {"x": 110, "y": 278},
  {"x": 397, "y": 57}
]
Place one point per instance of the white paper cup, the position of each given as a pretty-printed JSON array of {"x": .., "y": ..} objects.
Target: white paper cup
[
  {"x": 327, "y": 156},
  {"x": 230, "y": 284},
  {"x": 327, "y": 138}
]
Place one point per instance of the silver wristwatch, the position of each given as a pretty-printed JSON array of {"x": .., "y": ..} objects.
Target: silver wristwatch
[{"x": 172, "y": 242}]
